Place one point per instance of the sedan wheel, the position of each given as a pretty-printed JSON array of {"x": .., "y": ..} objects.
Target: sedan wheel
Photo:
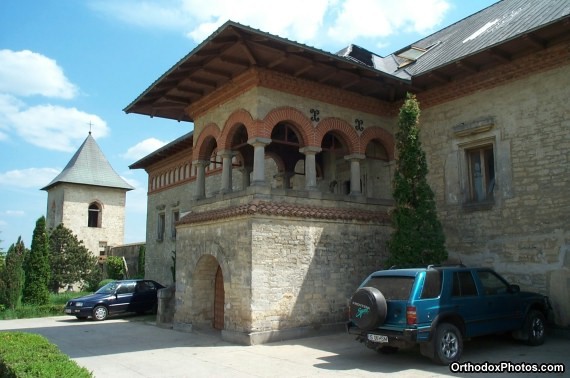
[{"x": 100, "y": 313}]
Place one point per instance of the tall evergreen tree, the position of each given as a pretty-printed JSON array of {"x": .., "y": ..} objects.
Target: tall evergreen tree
[
  {"x": 12, "y": 276},
  {"x": 70, "y": 261},
  {"x": 418, "y": 237},
  {"x": 36, "y": 267}
]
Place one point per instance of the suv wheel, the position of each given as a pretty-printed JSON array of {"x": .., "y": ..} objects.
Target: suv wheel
[
  {"x": 368, "y": 308},
  {"x": 533, "y": 328},
  {"x": 448, "y": 344}
]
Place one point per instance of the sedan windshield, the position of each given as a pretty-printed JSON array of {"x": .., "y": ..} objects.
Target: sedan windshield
[{"x": 108, "y": 289}]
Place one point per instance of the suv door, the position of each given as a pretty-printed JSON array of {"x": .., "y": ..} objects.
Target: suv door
[
  {"x": 466, "y": 301},
  {"x": 501, "y": 304}
]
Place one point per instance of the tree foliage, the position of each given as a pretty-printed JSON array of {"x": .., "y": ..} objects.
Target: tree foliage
[
  {"x": 70, "y": 260},
  {"x": 115, "y": 267},
  {"x": 37, "y": 268},
  {"x": 12, "y": 276},
  {"x": 141, "y": 261},
  {"x": 418, "y": 237}
]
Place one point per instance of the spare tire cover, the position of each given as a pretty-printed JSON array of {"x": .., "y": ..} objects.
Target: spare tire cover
[{"x": 368, "y": 308}]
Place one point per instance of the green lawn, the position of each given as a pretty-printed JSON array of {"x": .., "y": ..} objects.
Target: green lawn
[{"x": 54, "y": 308}]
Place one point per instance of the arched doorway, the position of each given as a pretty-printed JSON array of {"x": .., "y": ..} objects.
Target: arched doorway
[
  {"x": 219, "y": 295},
  {"x": 208, "y": 295}
]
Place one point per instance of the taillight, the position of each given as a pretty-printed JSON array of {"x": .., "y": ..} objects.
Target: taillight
[{"x": 411, "y": 317}]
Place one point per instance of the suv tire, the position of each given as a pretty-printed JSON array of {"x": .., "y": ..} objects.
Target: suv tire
[
  {"x": 368, "y": 308},
  {"x": 533, "y": 328},
  {"x": 448, "y": 344}
]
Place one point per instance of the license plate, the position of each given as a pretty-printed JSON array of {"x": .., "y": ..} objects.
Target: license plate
[
  {"x": 68, "y": 311},
  {"x": 377, "y": 338}
]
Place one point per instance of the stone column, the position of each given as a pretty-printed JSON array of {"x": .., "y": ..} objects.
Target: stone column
[
  {"x": 355, "y": 173},
  {"x": 200, "y": 178},
  {"x": 310, "y": 166},
  {"x": 245, "y": 179},
  {"x": 259, "y": 159},
  {"x": 227, "y": 156}
]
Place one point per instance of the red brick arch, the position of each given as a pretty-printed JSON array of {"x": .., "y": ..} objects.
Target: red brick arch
[
  {"x": 202, "y": 150},
  {"x": 237, "y": 118},
  {"x": 287, "y": 114},
  {"x": 378, "y": 133},
  {"x": 341, "y": 128}
]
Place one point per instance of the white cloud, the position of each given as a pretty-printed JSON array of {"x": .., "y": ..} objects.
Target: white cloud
[
  {"x": 143, "y": 148},
  {"x": 25, "y": 73},
  {"x": 197, "y": 19},
  {"x": 49, "y": 126},
  {"x": 29, "y": 177},
  {"x": 315, "y": 22},
  {"x": 381, "y": 18},
  {"x": 15, "y": 213}
]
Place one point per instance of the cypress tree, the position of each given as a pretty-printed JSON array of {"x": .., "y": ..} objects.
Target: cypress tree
[
  {"x": 37, "y": 268},
  {"x": 12, "y": 276},
  {"x": 418, "y": 237}
]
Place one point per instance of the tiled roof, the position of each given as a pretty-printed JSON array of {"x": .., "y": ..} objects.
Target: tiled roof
[
  {"x": 257, "y": 207},
  {"x": 89, "y": 167},
  {"x": 489, "y": 27}
]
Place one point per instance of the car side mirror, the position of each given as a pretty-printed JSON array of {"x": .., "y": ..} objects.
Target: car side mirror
[{"x": 513, "y": 289}]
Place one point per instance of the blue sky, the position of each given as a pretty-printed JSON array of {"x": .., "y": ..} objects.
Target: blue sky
[{"x": 65, "y": 64}]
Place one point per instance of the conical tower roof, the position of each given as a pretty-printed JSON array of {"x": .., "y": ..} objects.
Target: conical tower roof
[{"x": 89, "y": 167}]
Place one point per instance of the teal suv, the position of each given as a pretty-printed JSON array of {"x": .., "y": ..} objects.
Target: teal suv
[{"x": 438, "y": 307}]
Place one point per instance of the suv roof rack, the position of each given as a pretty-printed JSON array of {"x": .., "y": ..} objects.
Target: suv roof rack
[{"x": 432, "y": 266}]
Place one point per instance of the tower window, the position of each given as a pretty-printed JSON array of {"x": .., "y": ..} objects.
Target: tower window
[{"x": 94, "y": 215}]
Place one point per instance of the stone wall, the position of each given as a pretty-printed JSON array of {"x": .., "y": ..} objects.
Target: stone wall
[
  {"x": 131, "y": 254},
  {"x": 68, "y": 204},
  {"x": 283, "y": 277},
  {"x": 524, "y": 235}
]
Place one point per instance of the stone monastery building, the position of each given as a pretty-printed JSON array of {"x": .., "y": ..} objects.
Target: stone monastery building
[
  {"x": 88, "y": 197},
  {"x": 278, "y": 202}
]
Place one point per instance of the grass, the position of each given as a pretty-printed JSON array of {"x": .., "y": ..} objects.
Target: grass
[{"x": 54, "y": 308}]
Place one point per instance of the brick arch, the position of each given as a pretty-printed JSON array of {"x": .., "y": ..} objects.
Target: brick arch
[
  {"x": 203, "y": 142},
  {"x": 339, "y": 127},
  {"x": 277, "y": 159},
  {"x": 287, "y": 114},
  {"x": 375, "y": 132},
  {"x": 239, "y": 117}
]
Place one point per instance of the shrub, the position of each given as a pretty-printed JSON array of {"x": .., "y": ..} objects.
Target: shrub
[
  {"x": 25, "y": 355},
  {"x": 115, "y": 269}
]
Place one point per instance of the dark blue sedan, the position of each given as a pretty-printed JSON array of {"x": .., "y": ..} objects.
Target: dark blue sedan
[{"x": 116, "y": 297}]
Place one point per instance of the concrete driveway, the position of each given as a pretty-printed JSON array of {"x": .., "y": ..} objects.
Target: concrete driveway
[{"x": 134, "y": 347}]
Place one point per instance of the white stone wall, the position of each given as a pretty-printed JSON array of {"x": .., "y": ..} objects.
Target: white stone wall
[{"x": 68, "y": 204}]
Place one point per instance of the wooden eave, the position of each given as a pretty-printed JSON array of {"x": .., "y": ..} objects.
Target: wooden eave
[{"x": 234, "y": 49}]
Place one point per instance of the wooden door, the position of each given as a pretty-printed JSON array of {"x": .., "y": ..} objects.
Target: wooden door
[{"x": 219, "y": 300}]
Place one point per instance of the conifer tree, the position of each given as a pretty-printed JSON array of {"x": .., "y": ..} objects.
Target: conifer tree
[
  {"x": 12, "y": 276},
  {"x": 70, "y": 261},
  {"x": 418, "y": 237},
  {"x": 36, "y": 267}
]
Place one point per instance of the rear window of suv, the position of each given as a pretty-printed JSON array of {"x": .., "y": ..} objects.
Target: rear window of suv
[{"x": 392, "y": 287}]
